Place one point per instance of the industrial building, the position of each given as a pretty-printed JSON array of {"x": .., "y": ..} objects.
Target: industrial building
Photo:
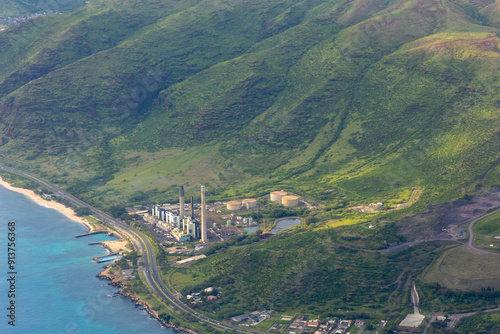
[
  {"x": 182, "y": 227},
  {"x": 165, "y": 217}
]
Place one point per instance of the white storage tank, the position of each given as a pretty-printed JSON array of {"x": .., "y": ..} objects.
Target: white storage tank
[
  {"x": 250, "y": 203},
  {"x": 277, "y": 195},
  {"x": 290, "y": 201},
  {"x": 233, "y": 205}
]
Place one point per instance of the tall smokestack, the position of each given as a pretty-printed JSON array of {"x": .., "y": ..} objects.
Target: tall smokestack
[
  {"x": 192, "y": 208},
  {"x": 181, "y": 200},
  {"x": 203, "y": 218}
]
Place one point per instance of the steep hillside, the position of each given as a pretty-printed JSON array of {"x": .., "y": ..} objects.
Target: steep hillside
[{"x": 353, "y": 100}]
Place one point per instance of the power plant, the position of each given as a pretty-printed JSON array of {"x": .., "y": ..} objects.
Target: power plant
[
  {"x": 192, "y": 207},
  {"x": 182, "y": 226},
  {"x": 196, "y": 223}
]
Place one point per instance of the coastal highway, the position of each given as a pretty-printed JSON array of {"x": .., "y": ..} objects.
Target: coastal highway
[{"x": 145, "y": 247}]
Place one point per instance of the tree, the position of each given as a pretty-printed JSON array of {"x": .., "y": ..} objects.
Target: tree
[
  {"x": 165, "y": 317},
  {"x": 83, "y": 211},
  {"x": 117, "y": 211}
]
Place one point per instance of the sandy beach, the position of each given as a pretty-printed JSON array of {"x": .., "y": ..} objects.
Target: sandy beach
[
  {"x": 115, "y": 246},
  {"x": 48, "y": 204},
  {"x": 112, "y": 245}
]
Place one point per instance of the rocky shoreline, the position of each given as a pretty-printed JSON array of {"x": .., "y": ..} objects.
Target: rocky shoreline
[
  {"x": 111, "y": 246},
  {"x": 116, "y": 281}
]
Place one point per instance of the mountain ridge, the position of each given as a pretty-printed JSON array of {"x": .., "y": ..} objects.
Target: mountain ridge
[{"x": 299, "y": 81}]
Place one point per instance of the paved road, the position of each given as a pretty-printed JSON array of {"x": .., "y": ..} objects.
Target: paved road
[{"x": 144, "y": 245}]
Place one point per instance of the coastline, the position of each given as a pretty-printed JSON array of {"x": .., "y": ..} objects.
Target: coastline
[
  {"x": 48, "y": 204},
  {"x": 111, "y": 245}
]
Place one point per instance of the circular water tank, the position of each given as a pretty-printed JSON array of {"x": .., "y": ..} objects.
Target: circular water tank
[
  {"x": 290, "y": 201},
  {"x": 233, "y": 205},
  {"x": 277, "y": 195},
  {"x": 250, "y": 203}
]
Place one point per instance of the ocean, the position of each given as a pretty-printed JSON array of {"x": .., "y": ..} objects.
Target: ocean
[{"x": 55, "y": 288}]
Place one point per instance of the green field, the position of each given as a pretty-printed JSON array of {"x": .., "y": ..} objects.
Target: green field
[
  {"x": 264, "y": 325},
  {"x": 487, "y": 243},
  {"x": 462, "y": 269},
  {"x": 354, "y": 329},
  {"x": 489, "y": 225},
  {"x": 164, "y": 169}
]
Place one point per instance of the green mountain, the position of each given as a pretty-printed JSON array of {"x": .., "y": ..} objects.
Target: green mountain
[{"x": 353, "y": 100}]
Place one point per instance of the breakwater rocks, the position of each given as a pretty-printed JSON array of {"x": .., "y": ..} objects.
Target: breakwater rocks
[{"x": 117, "y": 281}]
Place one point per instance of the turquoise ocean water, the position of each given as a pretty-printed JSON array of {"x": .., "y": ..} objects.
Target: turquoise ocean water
[{"x": 56, "y": 288}]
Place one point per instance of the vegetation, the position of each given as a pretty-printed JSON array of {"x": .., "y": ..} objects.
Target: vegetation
[
  {"x": 480, "y": 323},
  {"x": 82, "y": 211},
  {"x": 19, "y": 181},
  {"x": 441, "y": 299},
  {"x": 342, "y": 102},
  {"x": 462, "y": 269},
  {"x": 306, "y": 271},
  {"x": 489, "y": 225}
]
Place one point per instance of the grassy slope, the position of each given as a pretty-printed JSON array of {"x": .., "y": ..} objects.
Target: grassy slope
[
  {"x": 462, "y": 269},
  {"x": 489, "y": 225},
  {"x": 365, "y": 96},
  {"x": 304, "y": 272},
  {"x": 107, "y": 102},
  {"x": 321, "y": 104}
]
